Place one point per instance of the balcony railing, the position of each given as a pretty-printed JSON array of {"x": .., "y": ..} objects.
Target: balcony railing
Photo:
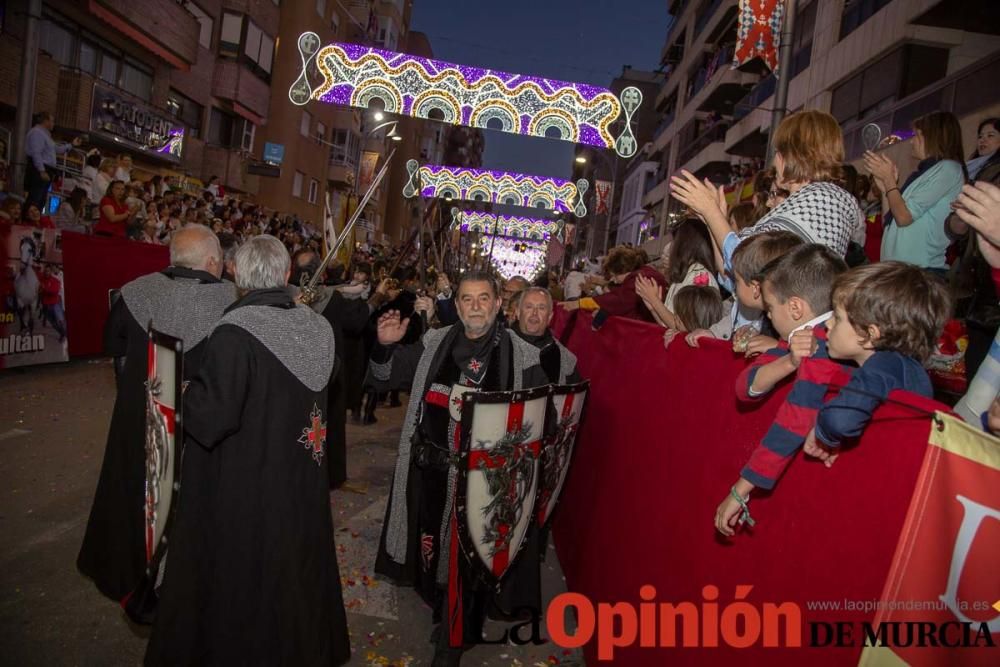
[
  {"x": 705, "y": 16},
  {"x": 666, "y": 122},
  {"x": 713, "y": 134},
  {"x": 714, "y": 65},
  {"x": 755, "y": 97},
  {"x": 964, "y": 92}
]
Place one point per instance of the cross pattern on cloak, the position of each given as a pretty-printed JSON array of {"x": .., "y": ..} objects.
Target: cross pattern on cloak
[{"x": 314, "y": 435}]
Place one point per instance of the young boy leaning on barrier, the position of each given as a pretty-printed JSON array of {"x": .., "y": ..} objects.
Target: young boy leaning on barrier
[
  {"x": 796, "y": 292},
  {"x": 745, "y": 265},
  {"x": 887, "y": 318}
]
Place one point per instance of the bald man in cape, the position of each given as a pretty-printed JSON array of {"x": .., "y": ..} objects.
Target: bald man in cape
[{"x": 184, "y": 300}]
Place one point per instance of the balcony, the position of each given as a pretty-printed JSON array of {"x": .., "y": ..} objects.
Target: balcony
[
  {"x": 757, "y": 95},
  {"x": 711, "y": 161},
  {"x": 964, "y": 93},
  {"x": 716, "y": 133},
  {"x": 227, "y": 164},
  {"x": 657, "y": 194},
  {"x": 705, "y": 15},
  {"x": 341, "y": 174},
  {"x": 981, "y": 16},
  {"x": 233, "y": 81},
  {"x": 665, "y": 123},
  {"x": 162, "y": 26}
]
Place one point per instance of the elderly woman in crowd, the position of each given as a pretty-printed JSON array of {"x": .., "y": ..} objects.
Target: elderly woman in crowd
[
  {"x": 915, "y": 222},
  {"x": 809, "y": 151}
]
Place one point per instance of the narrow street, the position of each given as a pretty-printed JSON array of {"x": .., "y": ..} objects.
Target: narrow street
[{"x": 53, "y": 423}]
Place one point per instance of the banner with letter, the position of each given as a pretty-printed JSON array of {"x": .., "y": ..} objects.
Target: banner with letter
[
  {"x": 944, "y": 572},
  {"x": 32, "y": 312}
]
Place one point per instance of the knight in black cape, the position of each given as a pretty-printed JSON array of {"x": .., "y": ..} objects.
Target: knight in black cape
[
  {"x": 251, "y": 576},
  {"x": 478, "y": 354},
  {"x": 348, "y": 318},
  {"x": 184, "y": 301}
]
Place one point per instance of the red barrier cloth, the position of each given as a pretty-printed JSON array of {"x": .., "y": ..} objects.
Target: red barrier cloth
[
  {"x": 92, "y": 266},
  {"x": 662, "y": 443}
]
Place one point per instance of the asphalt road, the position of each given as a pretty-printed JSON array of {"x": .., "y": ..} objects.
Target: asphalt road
[{"x": 53, "y": 424}]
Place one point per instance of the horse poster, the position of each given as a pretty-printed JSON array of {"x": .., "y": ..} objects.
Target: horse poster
[{"x": 32, "y": 297}]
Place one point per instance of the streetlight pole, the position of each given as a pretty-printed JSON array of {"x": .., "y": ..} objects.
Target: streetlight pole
[{"x": 785, "y": 61}]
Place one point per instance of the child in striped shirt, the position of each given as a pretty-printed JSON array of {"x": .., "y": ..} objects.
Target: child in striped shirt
[{"x": 796, "y": 292}]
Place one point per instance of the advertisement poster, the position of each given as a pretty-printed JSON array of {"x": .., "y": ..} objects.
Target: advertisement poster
[{"x": 32, "y": 317}]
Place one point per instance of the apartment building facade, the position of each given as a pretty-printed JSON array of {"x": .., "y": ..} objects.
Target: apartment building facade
[
  {"x": 181, "y": 86},
  {"x": 883, "y": 61}
]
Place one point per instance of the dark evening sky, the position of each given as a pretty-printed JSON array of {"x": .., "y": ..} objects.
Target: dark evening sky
[{"x": 584, "y": 41}]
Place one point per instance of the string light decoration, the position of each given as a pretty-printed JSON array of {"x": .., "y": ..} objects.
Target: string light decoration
[
  {"x": 499, "y": 187},
  {"x": 515, "y": 257},
  {"x": 514, "y": 226},
  {"x": 355, "y": 75}
]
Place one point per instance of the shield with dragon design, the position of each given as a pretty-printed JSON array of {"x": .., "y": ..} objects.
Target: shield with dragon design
[
  {"x": 498, "y": 475},
  {"x": 568, "y": 403},
  {"x": 163, "y": 447}
]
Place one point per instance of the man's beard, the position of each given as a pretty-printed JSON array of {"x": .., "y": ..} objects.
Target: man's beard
[{"x": 472, "y": 331}]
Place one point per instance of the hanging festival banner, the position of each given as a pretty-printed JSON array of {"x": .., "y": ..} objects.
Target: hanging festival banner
[
  {"x": 514, "y": 226},
  {"x": 32, "y": 314},
  {"x": 357, "y": 76},
  {"x": 602, "y": 193},
  {"x": 759, "y": 32},
  {"x": 369, "y": 160},
  {"x": 497, "y": 187},
  {"x": 944, "y": 574}
]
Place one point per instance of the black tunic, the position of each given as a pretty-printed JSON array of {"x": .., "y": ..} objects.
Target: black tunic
[
  {"x": 251, "y": 573},
  {"x": 182, "y": 303},
  {"x": 349, "y": 318},
  {"x": 427, "y": 481}
]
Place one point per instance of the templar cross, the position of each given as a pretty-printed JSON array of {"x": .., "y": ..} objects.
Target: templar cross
[
  {"x": 475, "y": 365},
  {"x": 314, "y": 435}
]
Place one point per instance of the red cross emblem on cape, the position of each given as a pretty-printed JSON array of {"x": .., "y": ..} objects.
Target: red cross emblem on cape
[
  {"x": 314, "y": 436},
  {"x": 475, "y": 365}
]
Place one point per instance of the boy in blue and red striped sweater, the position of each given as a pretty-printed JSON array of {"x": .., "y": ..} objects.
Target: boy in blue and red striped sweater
[{"x": 796, "y": 292}]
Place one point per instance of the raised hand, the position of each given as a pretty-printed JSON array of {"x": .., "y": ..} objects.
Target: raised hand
[
  {"x": 424, "y": 304},
  {"x": 883, "y": 169},
  {"x": 648, "y": 290},
  {"x": 979, "y": 206},
  {"x": 391, "y": 328},
  {"x": 701, "y": 198}
]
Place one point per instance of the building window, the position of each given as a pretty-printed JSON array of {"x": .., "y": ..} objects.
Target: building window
[
  {"x": 137, "y": 80},
  {"x": 246, "y": 131},
  {"x": 805, "y": 26},
  {"x": 89, "y": 55},
  {"x": 259, "y": 50},
  {"x": 297, "y": 184},
  {"x": 57, "y": 41},
  {"x": 305, "y": 125},
  {"x": 186, "y": 111},
  {"x": 335, "y": 21},
  {"x": 205, "y": 24},
  {"x": 386, "y": 33},
  {"x": 313, "y": 190},
  {"x": 321, "y": 8},
  {"x": 856, "y": 12},
  {"x": 345, "y": 149},
  {"x": 320, "y": 131},
  {"x": 220, "y": 128},
  {"x": 229, "y": 36}
]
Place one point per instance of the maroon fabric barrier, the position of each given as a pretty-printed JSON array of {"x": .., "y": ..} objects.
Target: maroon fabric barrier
[
  {"x": 92, "y": 265},
  {"x": 663, "y": 441}
]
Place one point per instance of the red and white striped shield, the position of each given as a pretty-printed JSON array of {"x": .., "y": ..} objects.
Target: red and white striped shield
[
  {"x": 502, "y": 435},
  {"x": 163, "y": 425},
  {"x": 568, "y": 402}
]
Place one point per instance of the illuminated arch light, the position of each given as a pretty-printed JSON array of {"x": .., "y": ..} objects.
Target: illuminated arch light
[
  {"x": 433, "y": 100},
  {"x": 517, "y": 226},
  {"x": 515, "y": 257},
  {"x": 379, "y": 89},
  {"x": 524, "y": 189},
  {"x": 582, "y": 113}
]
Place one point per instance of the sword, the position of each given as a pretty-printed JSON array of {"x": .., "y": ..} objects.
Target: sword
[{"x": 310, "y": 291}]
